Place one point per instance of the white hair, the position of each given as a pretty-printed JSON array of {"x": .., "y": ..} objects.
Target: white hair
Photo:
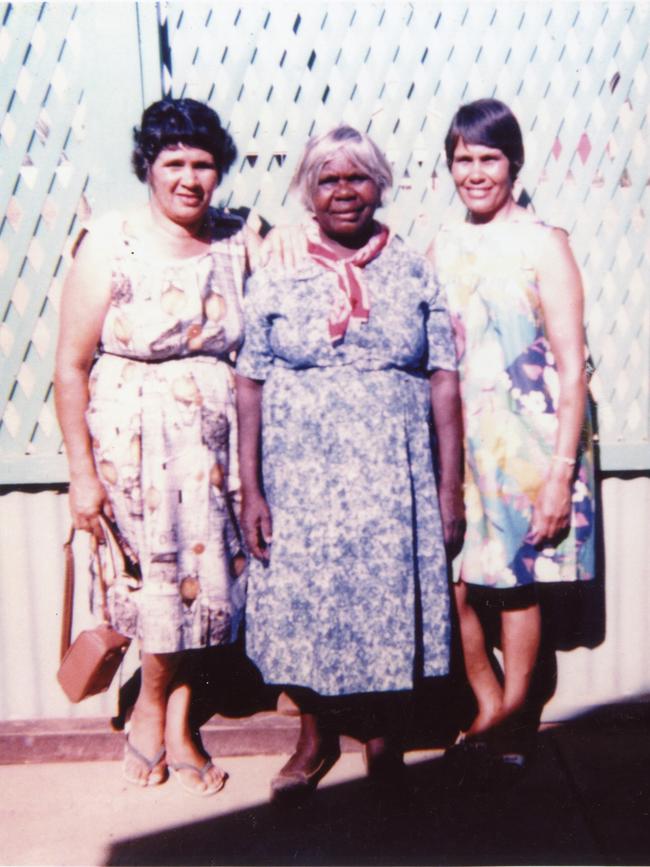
[{"x": 357, "y": 146}]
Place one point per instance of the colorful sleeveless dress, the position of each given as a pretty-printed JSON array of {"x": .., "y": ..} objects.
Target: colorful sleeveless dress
[
  {"x": 510, "y": 390},
  {"x": 162, "y": 421}
]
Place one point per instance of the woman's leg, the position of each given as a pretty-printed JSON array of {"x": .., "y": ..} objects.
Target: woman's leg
[
  {"x": 147, "y": 727},
  {"x": 316, "y": 744},
  {"x": 384, "y": 721},
  {"x": 384, "y": 758},
  {"x": 181, "y": 747},
  {"x": 316, "y": 751},
  {"x": 521, "y": 631},
  {"x": 478, "y": 667}
]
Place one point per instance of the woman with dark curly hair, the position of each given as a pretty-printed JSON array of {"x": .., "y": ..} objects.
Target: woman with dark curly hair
[{"x": 150, "y": 317}]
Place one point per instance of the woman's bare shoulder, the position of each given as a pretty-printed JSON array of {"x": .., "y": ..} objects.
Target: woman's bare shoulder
[
  {"x": 550, "y": 239},
  {"x": 95, "y": 230}
]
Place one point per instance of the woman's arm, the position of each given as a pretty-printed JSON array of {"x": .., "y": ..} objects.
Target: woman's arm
[
  {"x": 253, "y": 244},
  {"x": 445, "y": 403},
  {"x": 255, "y": 513},
  {"x": 84, "y": 301},
  {"x": 448, "y": 419},
  {"x": 562, "y": 300}
]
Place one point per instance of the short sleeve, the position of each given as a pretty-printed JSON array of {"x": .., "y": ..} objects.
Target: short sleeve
[
  {"x": 440, "y": 337},
  {"x": 255, "y": 358}
]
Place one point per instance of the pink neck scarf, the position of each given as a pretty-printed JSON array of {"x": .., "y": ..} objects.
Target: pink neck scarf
[{"x": 352, "y": 301}]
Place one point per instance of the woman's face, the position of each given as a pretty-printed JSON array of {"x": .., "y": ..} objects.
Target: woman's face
[
  {"x": 182, "y": 180},
  {"x": 345, "y": 200},
  {"x": 482, "y": 178}
]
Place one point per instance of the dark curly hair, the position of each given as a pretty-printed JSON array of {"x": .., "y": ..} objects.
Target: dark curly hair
[
  {"x": 487, "y": 122},
  {"x": 170, "y": 122}
]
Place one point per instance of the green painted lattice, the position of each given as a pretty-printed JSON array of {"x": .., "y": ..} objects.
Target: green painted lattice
[
  {"x": 575, "y": 74},
  {"x": 71, "y": 76}
]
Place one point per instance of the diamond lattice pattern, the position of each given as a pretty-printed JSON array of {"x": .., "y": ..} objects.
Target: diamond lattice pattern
[{"x": 574, "y": 73}]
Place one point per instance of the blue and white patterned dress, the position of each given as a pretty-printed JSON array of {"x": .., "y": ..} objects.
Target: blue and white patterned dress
[{"x": 355, "y": 597}]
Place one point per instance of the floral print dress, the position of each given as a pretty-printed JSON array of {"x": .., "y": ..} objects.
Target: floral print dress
[
  {"x": 510, "y": 391},
  {"x": 162, "y": 422},
  {"x": 355, "y": 596}
]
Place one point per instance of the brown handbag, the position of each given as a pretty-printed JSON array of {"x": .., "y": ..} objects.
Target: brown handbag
[{"x": 90, "y": 663}]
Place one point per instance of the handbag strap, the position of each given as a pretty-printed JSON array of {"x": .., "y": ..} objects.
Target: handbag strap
[
  {"x": 114, "y": 548},
  {"x": 118, "y": 565},
  {"x": 99, "y": 565},
  {"x": 68, "y": 594}
]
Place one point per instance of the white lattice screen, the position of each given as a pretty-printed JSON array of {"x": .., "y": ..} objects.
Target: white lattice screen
[
  {"x": 71, "y": 75},
  {"x": 41, "y": 134},
  {"x": 575, "y": 74}
]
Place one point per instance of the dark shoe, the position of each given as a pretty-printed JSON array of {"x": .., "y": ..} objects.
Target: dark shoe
[
  {"x": 507, "y": 769},
  {"x": 473, "y": 764},
  {"x": 467, "y": 763},
  {"x": 289, "y": 786},
  {"x": 468, "y": 751}
]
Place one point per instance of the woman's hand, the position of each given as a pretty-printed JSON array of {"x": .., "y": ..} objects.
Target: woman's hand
[
  {"x": 552, "y": 510},
  {"x": 88, "y": 501},
  {"x": 283, "y": 247},
  {"x": 256, "y": 525},
  {"x": 452, "y": 513}
]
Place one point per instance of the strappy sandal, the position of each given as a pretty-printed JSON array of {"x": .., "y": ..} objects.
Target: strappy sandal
[
  {"x": 156, "y": 773},
  {"x": 200, "y": 772}
]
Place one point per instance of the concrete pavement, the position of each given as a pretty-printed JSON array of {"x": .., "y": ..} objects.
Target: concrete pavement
[
  {"x": 585, "y": 800},
  {"x": 84, "y": 813}
]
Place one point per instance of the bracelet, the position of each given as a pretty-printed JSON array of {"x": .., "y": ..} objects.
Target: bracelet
[{"x": 570, "y": 462}]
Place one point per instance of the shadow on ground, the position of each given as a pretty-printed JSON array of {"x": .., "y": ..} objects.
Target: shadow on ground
[{"x": 585, "y": 800}]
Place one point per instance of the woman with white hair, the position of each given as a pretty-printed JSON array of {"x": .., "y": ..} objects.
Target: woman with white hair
[{"x": 348, "y": 358}]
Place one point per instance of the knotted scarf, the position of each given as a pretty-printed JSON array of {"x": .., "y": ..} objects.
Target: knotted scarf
[{"x": 352, "y": 301}]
